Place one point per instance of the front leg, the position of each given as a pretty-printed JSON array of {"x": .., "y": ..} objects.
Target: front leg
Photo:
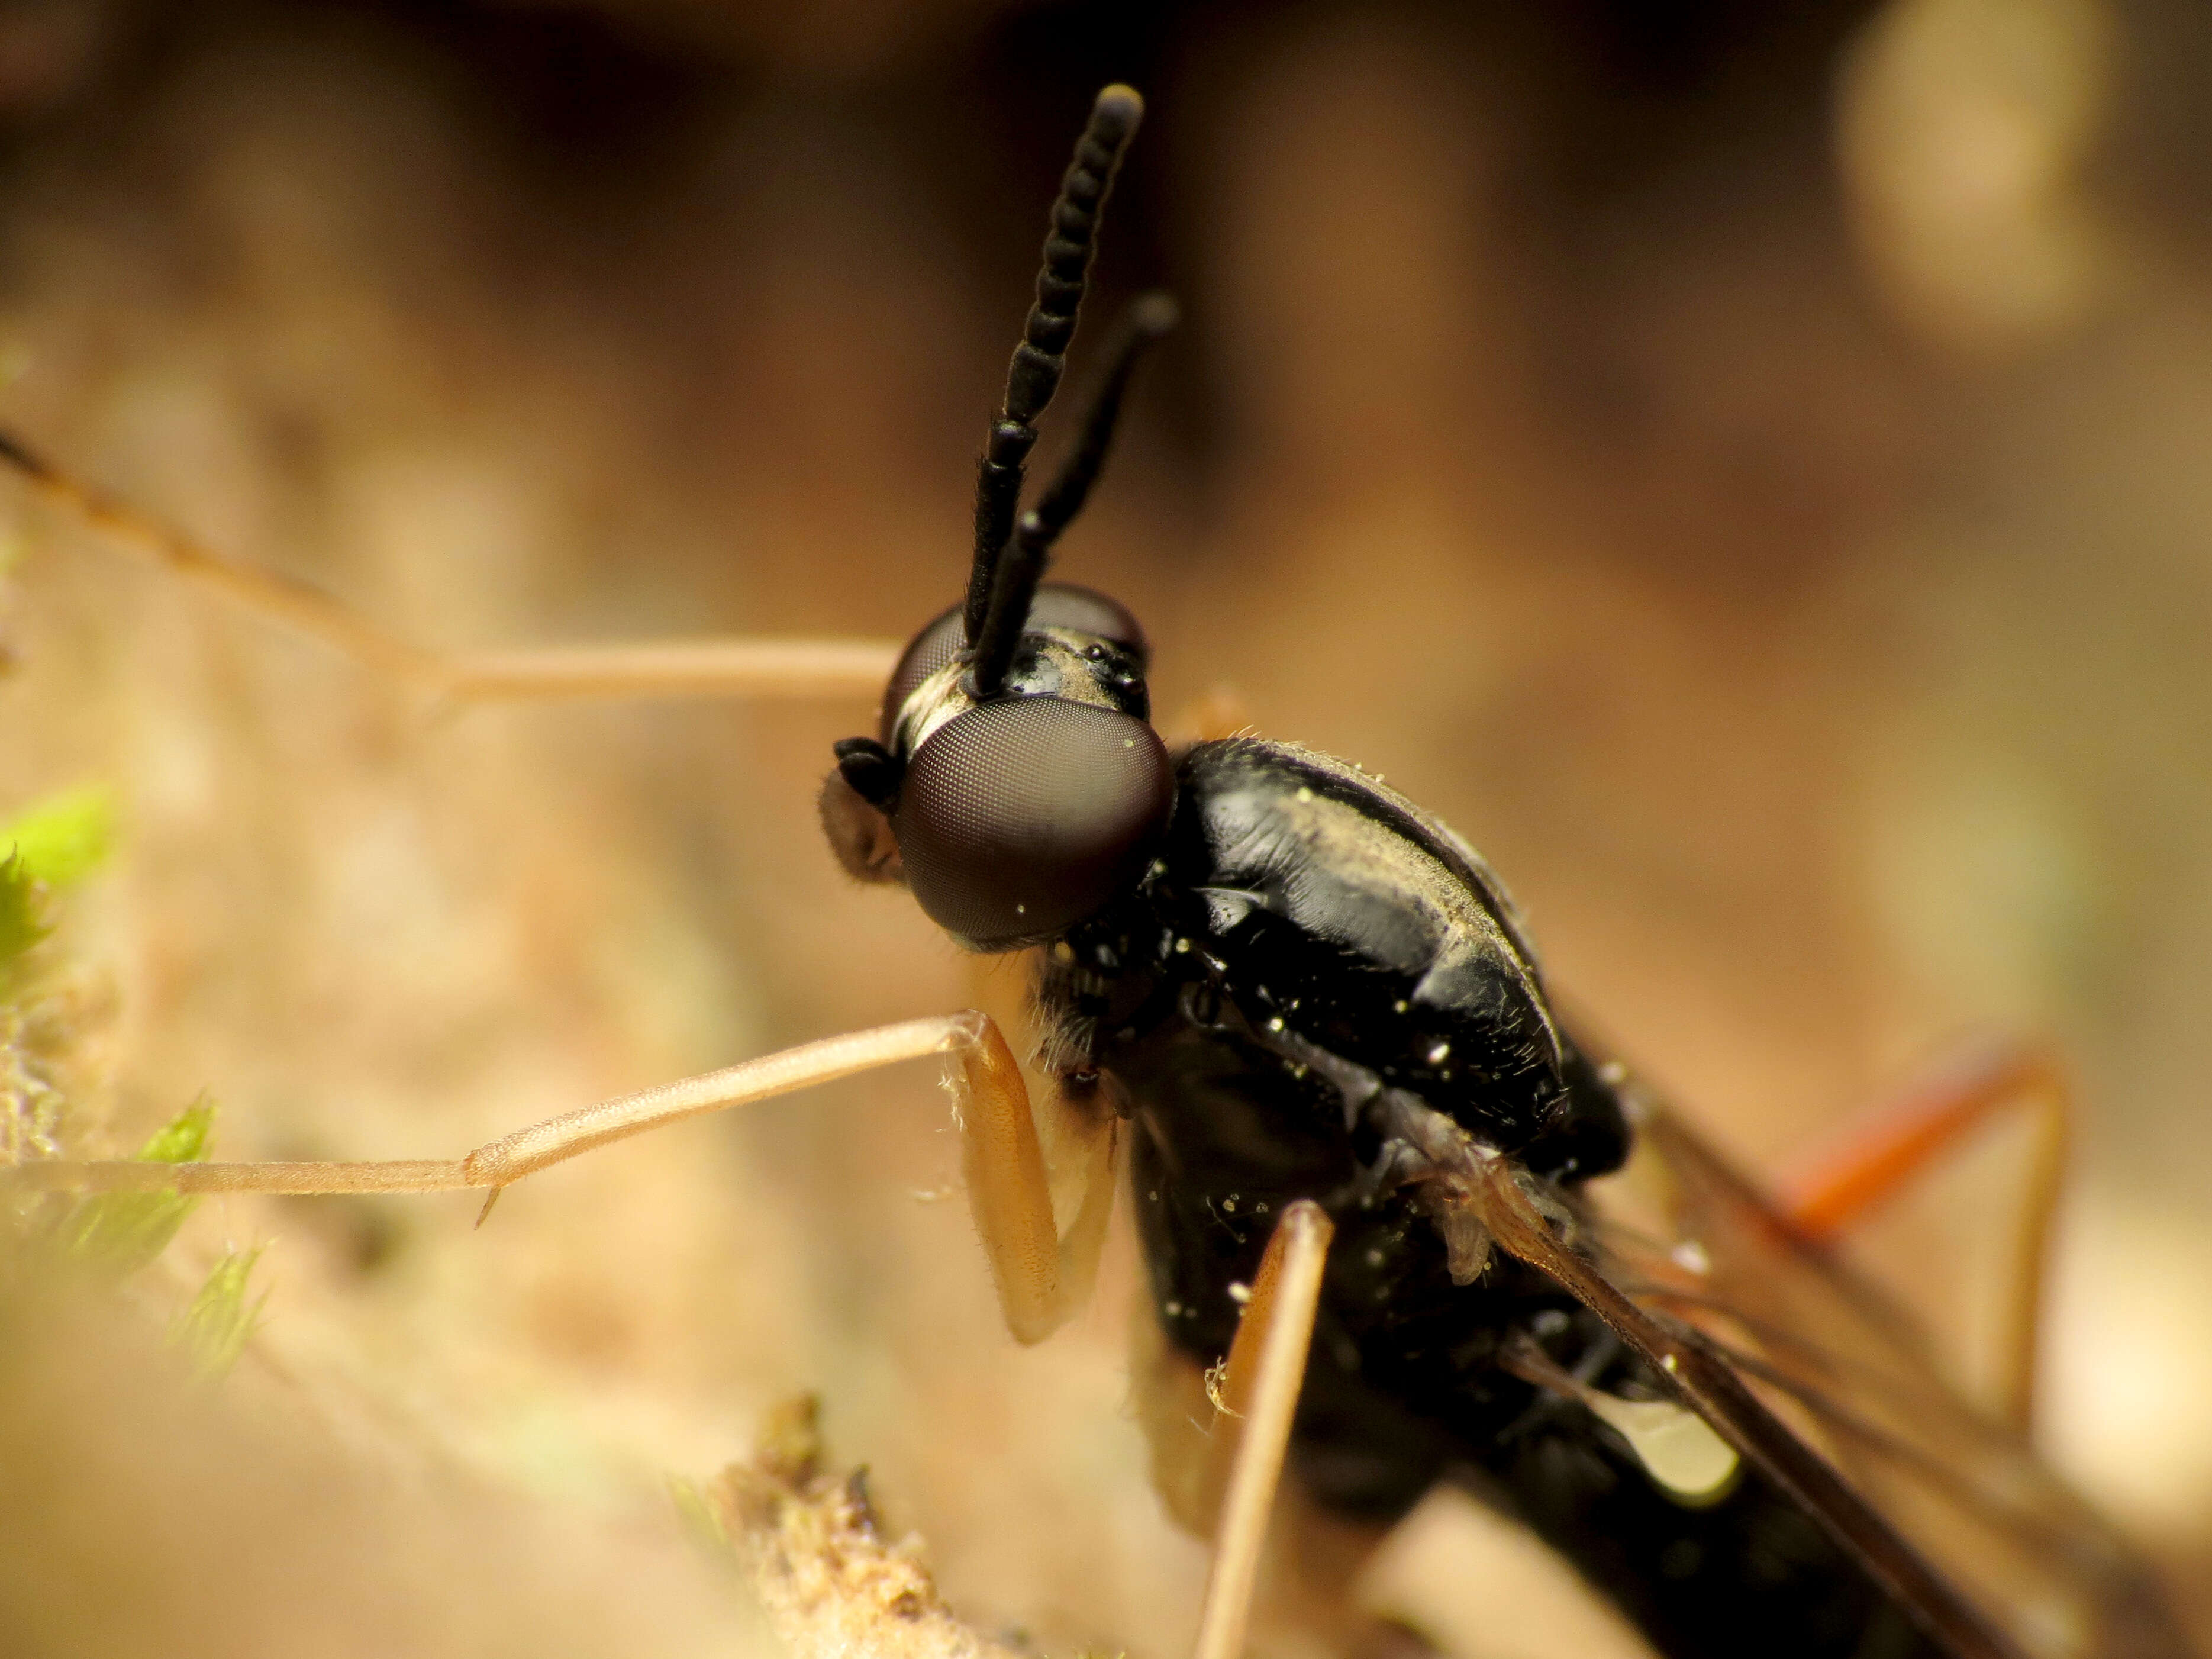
[{"x": 1040, "y": 1279}]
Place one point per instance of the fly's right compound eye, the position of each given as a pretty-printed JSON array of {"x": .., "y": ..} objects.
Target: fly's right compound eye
[{"x": 1020, "y": 819}]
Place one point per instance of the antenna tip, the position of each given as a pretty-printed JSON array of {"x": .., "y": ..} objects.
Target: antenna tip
[{"x": 1114, "y": 114}]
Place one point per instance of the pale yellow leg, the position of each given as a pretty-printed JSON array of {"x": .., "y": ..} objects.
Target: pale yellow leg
[
  {"x": 1040, "y": 1279},
  {"x": 672, "y": 668},
  {"x": 1258, "y": 1396}
]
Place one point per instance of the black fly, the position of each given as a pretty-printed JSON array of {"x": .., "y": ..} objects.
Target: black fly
[
  {"x": 1361, "y": 1140},
  {"x": 1295, "y": 984}
]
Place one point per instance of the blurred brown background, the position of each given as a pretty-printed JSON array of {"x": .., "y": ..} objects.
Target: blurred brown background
[{"x": 1746, "y": 466}]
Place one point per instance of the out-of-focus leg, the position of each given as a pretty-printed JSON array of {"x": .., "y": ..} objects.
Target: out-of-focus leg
[
  {"x": 1257, "y": 1397},
  {"x": 672, "y": 668},
  {"x": 1887, "y": 1147}
]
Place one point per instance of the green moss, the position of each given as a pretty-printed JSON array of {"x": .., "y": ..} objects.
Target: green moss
[
  {"x": 118, "y": 1233},
  {"x": 57, "y": 842},
  {"x": 213, "y": 1329},
  {"x": 22, "y": 912},
  {"x": 183, "y": 1139},
  {"x": 52, "y": 843},
  {"x": 62, "y": 838},
  {"x": 702, "y": 1524}
]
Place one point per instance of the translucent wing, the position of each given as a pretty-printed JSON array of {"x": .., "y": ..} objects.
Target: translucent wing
[{"x": 1815, "y": 1378}]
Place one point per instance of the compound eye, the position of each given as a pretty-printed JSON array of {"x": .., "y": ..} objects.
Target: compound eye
[
  {"x": 934, "y": 647},
  {"x": 1063, "y": 604},
  {"x": 1020, "y": 819},
  {"x": 1057, "y": 605}
]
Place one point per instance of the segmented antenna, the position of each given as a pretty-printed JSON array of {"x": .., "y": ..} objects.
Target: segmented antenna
[
  {"x": 1022, "y": 566},
  {"x": 1034, "y": 374}
]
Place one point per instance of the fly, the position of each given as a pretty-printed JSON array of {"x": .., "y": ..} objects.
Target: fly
[{"x": 1361, "y": 1140}]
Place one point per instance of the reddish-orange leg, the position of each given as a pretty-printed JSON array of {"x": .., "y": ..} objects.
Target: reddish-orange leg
[{"x": 1894, "y": 1141}]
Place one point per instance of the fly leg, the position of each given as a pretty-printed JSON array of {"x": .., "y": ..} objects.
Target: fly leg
[
  {"x": 669, "y": 668},
  {"x": 1887, "y": 1147},
  {"x": 1257, "y": 1398},
  {"x": 1040, "y": 1279}
]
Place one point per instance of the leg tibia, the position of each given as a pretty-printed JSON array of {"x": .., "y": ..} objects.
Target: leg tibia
[
  {"x": 675, "y": 668},
  {"x": 1893, "y": 1144},
  {"x": 1041, "y": 1280},
  {"x": 501, "y": 1163},
  {"x": 672, "y": 668},
  {"x": 1258, "y": 1398}
]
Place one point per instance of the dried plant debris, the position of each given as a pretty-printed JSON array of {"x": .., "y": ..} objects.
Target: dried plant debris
[{"x": 832, "y": 1586}]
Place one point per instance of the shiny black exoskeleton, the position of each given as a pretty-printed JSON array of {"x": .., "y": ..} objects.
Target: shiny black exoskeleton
[
  {"x": 1305, "y": 943},
  {"x": 1267, "y": 961}
]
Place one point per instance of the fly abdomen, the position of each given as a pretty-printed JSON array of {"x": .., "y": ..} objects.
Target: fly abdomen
[{"x": 1748, "y": 1577}]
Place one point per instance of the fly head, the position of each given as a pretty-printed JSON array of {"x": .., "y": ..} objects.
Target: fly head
[{"x": 1015, "y": 783}]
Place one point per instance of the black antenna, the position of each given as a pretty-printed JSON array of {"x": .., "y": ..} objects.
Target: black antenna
[
  {"x": 1034, "y": 374},
  {"x": 1022, "y": 566}
]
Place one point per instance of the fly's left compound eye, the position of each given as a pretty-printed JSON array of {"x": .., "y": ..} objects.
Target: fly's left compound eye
[
  {"x": 1057, "y": 605},
  {"x": 1020, "y": 819},
  {"x": 929, "y": 651},
  {"x": 1063, "y": 604}
]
